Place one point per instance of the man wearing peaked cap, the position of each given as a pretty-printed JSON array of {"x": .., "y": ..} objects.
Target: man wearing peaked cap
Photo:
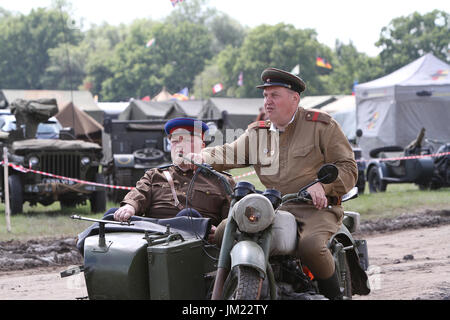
[
  {"x": 275, "y": 77},
  {"x": 161, "y": 192},
  {"x": 286, "y": 152}
]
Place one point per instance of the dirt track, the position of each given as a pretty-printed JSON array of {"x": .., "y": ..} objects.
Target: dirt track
[{"x": 409, "y": 259}]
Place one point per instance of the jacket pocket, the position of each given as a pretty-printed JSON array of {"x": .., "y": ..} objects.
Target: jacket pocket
[{"x": 302, "y": 151}]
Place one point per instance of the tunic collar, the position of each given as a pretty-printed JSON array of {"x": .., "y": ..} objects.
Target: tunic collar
[{"x": 272, "y": 125}]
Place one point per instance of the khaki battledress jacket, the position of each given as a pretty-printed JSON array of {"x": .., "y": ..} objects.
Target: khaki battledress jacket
[
  {"x": 153, "y": 195},
  {"x": 291, "y": 159}
]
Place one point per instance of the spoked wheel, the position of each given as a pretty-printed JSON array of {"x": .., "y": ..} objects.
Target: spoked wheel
[
  {"x": 375, "y": 182},
  {"x": 243, "y": 283}
]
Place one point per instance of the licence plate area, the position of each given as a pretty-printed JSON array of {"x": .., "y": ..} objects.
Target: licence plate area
[{"x": 54, "y": 180}]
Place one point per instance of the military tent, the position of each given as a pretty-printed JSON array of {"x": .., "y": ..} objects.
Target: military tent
[
  {"x": 85, "y": 127},
  {"x": 343, "y": 110},
  {"x": 239, "y": 112},
  {"x": 144, "y": 110},
  {"x": 112, "y": 109},
  {"x": 82, "y": 99},
  {"x": 192, "y": 108},
  {"x": 164, "y": 95},
  {"x": 391, "y": 110},
  {"x": 315, "y": 102}
]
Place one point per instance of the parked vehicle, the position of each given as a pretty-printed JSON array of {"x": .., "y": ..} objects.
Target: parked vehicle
[
  {"x": 34, "y": 141},
  {"x": 441, "y": 174},
  {"x": 416, "y": 170},
  {"x": 150, "y": 258}
]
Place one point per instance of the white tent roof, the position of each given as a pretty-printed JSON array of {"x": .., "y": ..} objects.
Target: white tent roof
[
  {"x": 343, "y": 103},
  {"x": 427, "y": 70}
]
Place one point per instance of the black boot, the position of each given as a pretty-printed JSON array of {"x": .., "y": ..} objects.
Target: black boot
[{"x": 330, "y": 287}]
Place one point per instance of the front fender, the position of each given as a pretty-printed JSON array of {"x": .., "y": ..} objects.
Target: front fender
[{"x": 248, "y": 253}]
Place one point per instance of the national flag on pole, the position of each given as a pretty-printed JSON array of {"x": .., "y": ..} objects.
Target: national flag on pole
[
  {"x": 175, "y": 2},
  {"x": 217, "y": 88},
  {"x": 240, "y": 81},
  {"x": 355, "y": 83},
  {"x": 296, "y": 70},
  {"x": 323, "y": 63},
  {"x": 183, "y": 95},
  {"x": 150, "y": 43}
]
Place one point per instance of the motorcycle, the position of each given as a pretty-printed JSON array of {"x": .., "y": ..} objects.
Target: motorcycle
[
  {"x": 248, "y": 269},
  {"x": 441, "y": 173},
  {"x": 147, "y": 258}
]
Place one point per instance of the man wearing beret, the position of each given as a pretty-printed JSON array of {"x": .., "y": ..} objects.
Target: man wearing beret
[
  {"x": 287, "y": 151},
  {"x": 161, "y": 192}
]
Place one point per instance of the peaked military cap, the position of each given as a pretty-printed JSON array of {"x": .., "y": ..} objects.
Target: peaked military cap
[
  {"x": 188, "y": 124},
  {"x": 280, "y": 78}
]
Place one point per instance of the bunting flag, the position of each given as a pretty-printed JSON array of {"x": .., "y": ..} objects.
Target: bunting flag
[
  {"x": 217, "y": 88},
  {"x": 183, "y": 95},
  {"x": 240, "y": 81},
  {"x": 146, "y": 98},
  {"x": 175, "y": 2},
  {"x": 150, "y": 43},
  {"x": 323, "y": 63}
]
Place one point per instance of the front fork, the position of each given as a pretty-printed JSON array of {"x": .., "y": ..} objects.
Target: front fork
[
  {"x": 338, "y": 250},
  {"x": 228, "y": 242}
]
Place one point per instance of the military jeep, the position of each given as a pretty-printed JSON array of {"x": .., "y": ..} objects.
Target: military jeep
[{"x": 61, "y": 159}]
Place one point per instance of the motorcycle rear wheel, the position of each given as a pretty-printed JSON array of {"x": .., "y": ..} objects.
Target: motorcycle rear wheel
[{"x": 243, "y": 283}]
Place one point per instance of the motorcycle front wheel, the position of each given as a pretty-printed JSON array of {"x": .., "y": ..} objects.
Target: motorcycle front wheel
[{"x": 243, "y": 283}]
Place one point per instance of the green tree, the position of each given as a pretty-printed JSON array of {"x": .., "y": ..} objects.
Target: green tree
[
  {"x": 281, "y": 46},
  {"x": 349, "y": 66},
  {"x": 178, "y": 53},
  {"x": 25, "y": 41},
  {"x": 406, "y": 39}
]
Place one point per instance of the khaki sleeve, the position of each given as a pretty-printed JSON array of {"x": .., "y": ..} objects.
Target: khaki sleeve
[
  {"x": 228, "y": 156},
  {"x": 337, "y": 150},
  {"x": 140, "y": 197}
]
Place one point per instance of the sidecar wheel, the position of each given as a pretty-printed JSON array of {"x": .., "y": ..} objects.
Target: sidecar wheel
[
  {"x": 375, "y": 182},
  {"x": 243, "y": 283}
]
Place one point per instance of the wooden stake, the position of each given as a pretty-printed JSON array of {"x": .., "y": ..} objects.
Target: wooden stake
[{"x": 6, "y": 189}]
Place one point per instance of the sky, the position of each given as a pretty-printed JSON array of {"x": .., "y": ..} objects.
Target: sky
[{"x": 359, "y": 21}]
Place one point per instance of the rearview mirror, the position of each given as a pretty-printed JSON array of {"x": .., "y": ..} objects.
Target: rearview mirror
[{"x": 327, "y": 173}]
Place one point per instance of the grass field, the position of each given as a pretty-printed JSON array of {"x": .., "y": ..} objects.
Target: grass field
[{"x": 51, "y": 221}]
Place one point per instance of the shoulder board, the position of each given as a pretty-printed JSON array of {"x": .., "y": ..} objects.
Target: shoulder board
[
  {"x": 164, "y": 167},
  {"x": 318, "y": 116},
  {"x": 260, "y": 125}
]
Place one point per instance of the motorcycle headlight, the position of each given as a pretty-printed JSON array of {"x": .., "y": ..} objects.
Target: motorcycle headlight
[
  {"x": 33, "y": 161},
  {"x": 85, "y": 161},
  {"x": 253, "y": 213}
]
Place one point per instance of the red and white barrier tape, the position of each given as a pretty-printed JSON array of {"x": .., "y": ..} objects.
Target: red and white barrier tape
[
  {"x": 364, "y": 160},
  {"x": 26, "y": 170}
]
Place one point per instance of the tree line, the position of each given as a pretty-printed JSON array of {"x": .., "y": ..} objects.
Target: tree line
[{"x": 196, "y": 47}]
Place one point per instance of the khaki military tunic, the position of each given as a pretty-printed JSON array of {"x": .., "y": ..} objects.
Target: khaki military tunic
[
  {"x": 290, "y": 160},
  {"x": 153, "y": 195}
]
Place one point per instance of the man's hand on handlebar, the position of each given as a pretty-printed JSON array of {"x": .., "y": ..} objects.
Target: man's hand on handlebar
[
  {"x": 124, "y": 213},
  {"x": 318, "y": 196}
]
